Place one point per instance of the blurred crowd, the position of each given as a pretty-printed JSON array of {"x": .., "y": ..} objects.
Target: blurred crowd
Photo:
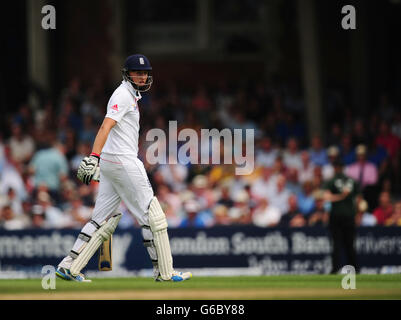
[{"x": 41, "y": 148}]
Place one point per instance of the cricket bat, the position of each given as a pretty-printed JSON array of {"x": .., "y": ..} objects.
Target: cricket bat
[{"x": 105, "y": 258}]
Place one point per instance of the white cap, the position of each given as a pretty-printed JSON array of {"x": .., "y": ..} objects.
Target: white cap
[
  {"x": 200, "y": 181},
  {"x": 241, "y": 197},
  {"x": 191, "y": 206}
]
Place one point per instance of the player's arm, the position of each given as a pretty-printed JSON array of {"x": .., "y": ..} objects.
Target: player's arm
[
  {"x": 102, "y": 135},
  {"x": 330, "y": 195},
  {"x": 89, "y": 166},
  {"x": 333, "y": 197}
]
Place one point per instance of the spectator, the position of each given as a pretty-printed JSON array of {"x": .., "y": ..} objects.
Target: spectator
[
  {"x": 364, "y": 172},
  {"x": 225, "y": 198},
  {"x": 320, "y": 215},
  {"x": 38, "y": 217},
  {"x": 193, "y": 218},
  {"x": 252, "y": 202},
  {"x": 293, "y": 217},
  {"x": 221, "y": 217},
  {"x": 174, "y": 175},
  {"x": 11, "y": 178},
  {"x": 279, "y": 195},
  {"x": 278, "y": 167},
  {"x": 385, "y": 208},
  {"x": 395, "y": 218},
  {"x": 328, "y": 170},
  {"x": 265, "y": 215},
  {"x": 27, "y": 212},
  {"x": 78, "y": 212},
  {"x": 318, "y": 154},
  {"x": 203, "y": 195},
  {"x": 171, "y": 204},
  {"x": 267, "y": 154},
  {"x": 14, "y": 202},
  {"x": 264, "y": 184},
  {"x": 291, "y": 155},
  {"x": 293, "y": 183},
  {"x": 240, "y": 213},
  {"x": 53, "y": 216},
  {"x": 10, "y": 221},
  {"x": 305, "y": 173},
  {"x": 317, "y": 180},
  {"x": 50, "y": 167},
  {"x": 27, "y": 183},
  {"x": 68, "y": 192},
  {"x": 306, "y": 199},
  {"x": 363, "y": 217},
  {"x": 388, "y": 140},
  {"x": 21, "y": 145}
]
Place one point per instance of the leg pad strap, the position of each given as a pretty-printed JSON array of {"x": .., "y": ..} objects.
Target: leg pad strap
[{"x": 89, "y": 249}]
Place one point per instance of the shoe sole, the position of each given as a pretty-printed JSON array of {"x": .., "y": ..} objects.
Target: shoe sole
[
  {"x": 68, "y": 278},
  {"x": 63, "y": 276},
  {"x": 175, "y": 278}
]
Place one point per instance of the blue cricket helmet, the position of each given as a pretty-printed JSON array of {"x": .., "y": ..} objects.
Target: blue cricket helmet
[{"x": 138, "y": 62}]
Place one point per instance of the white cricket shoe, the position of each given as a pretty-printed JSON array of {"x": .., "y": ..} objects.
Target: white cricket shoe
[{"x": 65, "y": 274}]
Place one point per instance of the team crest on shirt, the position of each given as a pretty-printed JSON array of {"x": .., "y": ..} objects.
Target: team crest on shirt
[{"x": 115, "y": 107}]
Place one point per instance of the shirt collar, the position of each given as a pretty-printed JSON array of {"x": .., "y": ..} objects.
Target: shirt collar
[{"x": 136, "y": 94}]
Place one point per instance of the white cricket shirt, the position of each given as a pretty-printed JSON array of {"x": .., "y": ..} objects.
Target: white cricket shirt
[{"x": 123, "y": 108}]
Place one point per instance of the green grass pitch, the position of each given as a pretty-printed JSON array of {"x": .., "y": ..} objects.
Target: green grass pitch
[{"x": 209, "y": 288}]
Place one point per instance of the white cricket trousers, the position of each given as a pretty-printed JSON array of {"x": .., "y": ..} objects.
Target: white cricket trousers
[{"x": 122, "y": 178}]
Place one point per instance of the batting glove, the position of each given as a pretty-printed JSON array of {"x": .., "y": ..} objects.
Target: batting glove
[{"x": 87, "y": 168}]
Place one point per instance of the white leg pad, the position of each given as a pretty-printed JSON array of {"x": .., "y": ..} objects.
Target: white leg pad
[
  {"x": 158, "y": 225},
  {"x": 104, "y": 233}
]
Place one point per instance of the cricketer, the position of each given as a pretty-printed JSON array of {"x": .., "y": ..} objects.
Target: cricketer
[{"x": 122, "y": 177}]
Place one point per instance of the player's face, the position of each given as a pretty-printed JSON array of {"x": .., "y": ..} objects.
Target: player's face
[{"x": 139, "y": 77}]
